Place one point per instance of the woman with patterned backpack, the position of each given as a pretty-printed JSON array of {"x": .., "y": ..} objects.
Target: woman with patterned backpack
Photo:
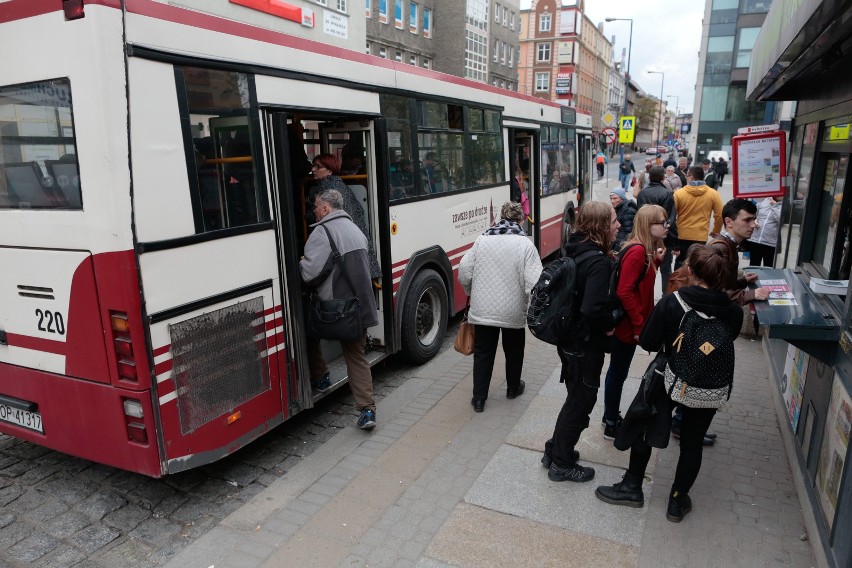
[{"x": 704, "y": 296}]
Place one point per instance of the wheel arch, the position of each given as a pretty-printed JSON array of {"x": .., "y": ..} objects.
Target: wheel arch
[{"x": 435, "y": 258}]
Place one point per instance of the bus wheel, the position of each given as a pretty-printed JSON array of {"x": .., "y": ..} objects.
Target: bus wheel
[{"x": 424, "y": 317}]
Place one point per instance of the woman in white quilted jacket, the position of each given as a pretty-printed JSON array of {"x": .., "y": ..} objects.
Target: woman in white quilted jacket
[{"x": 498, "y": 273}]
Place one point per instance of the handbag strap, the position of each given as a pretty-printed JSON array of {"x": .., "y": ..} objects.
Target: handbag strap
[{"x": 335, "y": 255}]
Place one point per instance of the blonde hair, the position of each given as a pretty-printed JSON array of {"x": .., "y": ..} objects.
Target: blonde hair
[
  {"x": 595, "y": 221},
  {"x": 646, "y": 216}
]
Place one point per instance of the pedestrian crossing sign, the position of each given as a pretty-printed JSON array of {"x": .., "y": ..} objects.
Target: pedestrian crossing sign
[{"x": 626, "y": 129}]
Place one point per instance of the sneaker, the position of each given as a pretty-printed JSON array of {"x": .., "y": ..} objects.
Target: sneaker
[
  {"x": 546, "y": 460},
  {"x": 323, "y": 385},
  {"x": 576, "y": 473},
  {"x": 517, "y": 392},
  {"x": 367, "y": 420},
  {"x": 679, "y": 506}
]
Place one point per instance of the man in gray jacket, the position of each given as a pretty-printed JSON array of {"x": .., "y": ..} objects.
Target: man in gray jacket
[{"x": 319, "y": 271}]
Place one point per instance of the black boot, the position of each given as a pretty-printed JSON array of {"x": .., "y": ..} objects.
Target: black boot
[
  {"x": 628, "y": 492},
  {"x": 679, "y": 505}
]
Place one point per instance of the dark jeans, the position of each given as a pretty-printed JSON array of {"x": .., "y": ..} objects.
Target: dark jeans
[
  {"x": 761, "y": 253},
  {"x": 621, "y": 355},
  {"x": 684, "y": 246},
  {"x": 582, "y": 375},
  {"x": 484, "y": 351},
  {"x": 694, "y": 424}
]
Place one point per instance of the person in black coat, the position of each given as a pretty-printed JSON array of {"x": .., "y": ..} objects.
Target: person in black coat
[
  {"x": 708, "y": 273},
  {"x": 582, "y": 352},
  {"x": 658, "y": 194},
  {"x": 625, "y": 210}
]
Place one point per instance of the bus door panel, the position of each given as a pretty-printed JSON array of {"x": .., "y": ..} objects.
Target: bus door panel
[{"x": 521, "y": 161}]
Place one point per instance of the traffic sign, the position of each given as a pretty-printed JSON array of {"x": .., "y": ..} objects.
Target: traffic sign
[
  {"x": 610, "y": 134},
  {"x": 609, "y": 119},
  {"x": 627, "y": 127}
]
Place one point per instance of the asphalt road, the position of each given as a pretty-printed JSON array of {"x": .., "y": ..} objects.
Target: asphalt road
[{"x": 57, "y": 510}]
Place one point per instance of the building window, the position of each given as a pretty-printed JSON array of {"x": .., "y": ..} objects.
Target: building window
[
  {"x": 512, "y": 21},
  {"x": 745, "y": 43},
  {"x": 412, "y": 60},
  {"x": 369, "y": 8},
  {"x": 542, "y": 81},
  {"x": 503, "y": 53},
  {"x": 505, "y": 16},
  {"x": 497, "y": 13},
  {"x": 383, "y": 11},
  {"x": 342, "y": 6},
  {"x": 412, "y": 17},
  {"x": 397, "y": 14},
  {"x": 719, "y": 54},
  {"x": 511, "y": 57},
  {"x": 496, "y": 49},
  {"x": 427, "y": 64},
  {"x": 476, "y": 56},
  {"x": 427, "y": 22},
  {"x": 369, "y": 48},
  {"x": 383, "y": 52},
  {"x": 321, "y": 2},
  {"x": 713, "y": 102},
  {"x": 756, "y": 6},
  {"x": 477, "y": 14},
  {"x": 398, "y": 56},
  {"x": 542, "y": 52},
  {"x": 544, "y": 22}
]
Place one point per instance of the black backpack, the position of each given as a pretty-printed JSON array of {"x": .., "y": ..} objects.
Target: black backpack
[
  {"x": 552, "y": 315},
  {"x": 700, "y": 370},
  {"x": 615, "y": 302}
]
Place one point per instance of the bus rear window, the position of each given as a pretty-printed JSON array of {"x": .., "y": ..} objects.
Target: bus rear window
[{"x": 38, "y": 155}]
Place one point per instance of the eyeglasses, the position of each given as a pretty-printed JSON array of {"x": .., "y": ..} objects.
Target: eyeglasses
[
  {"x": 665, "y": 224},
  {"x": 317, "y": 167}
]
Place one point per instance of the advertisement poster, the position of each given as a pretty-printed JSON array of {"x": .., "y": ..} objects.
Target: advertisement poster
[
  {"x": 793, "y": 383},
  {"x": 835, "y": 442},
  {"x": 758, "y": 165}
]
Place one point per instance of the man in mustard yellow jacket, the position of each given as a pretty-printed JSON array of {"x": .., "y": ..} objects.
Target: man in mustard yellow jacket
[{"x": 695, "y": 204}]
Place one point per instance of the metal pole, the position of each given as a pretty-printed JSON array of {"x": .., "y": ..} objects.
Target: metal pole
[{"x": 626, "y": 80}]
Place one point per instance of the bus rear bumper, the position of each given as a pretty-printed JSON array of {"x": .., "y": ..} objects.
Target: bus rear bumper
[{"x": 81, "y": 418}]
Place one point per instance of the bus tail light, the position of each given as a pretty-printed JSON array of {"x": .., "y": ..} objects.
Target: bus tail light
[
  {"x": 133, "y": 420},
  {"x": 73, "y": 9},
  {"x": 125, "y": 359}
]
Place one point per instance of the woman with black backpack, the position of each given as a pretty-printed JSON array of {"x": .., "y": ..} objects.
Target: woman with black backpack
[{"x": 708, "y": 274}]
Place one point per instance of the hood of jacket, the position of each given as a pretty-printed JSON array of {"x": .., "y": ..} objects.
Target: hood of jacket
[
  {"x": 696, "y": 190},
  {"x": 712, "y": 302},
  {"x": 575, "y": 247}
]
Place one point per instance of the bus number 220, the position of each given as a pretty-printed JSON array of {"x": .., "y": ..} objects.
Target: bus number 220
[{"x": 51, "y": 322}]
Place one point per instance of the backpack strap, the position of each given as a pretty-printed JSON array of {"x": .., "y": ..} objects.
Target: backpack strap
[
  {"x": 623, "y": 252},
  {"x": 337, "y": 259}
]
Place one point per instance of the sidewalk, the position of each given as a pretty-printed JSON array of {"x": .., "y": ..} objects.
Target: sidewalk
[{"x": 437, "y": 485}]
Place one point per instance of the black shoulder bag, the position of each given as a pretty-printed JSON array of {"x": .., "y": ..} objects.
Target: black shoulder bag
[{"x": 339, "y": 320}]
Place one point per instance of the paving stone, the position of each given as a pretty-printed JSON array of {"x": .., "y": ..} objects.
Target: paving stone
[
  {"x": 6, "y": 519},
  {"x": 69, "y": 488},
  {"x": 67, "y": 524},
  {"x": 131, "y": 552},
  {"x": 149, "y": 493},
  {"x": 156, "y": 530},
  {"x": 13, "y": 534},
  {"x": 9, "y": 494},
  {"x": 126, "y": 518},
  {"x": 33, "y": 547},
  {"x": 101, "y": 503},
  {"x": 94, "y": 538},
  {"x": 63, "y": 556}
]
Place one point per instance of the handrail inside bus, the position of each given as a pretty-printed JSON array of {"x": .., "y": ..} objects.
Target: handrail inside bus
[{"x": 234, "y": 160}]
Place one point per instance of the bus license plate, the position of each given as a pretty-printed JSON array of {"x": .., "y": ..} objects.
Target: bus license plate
[{"x": 31, "y": 420}]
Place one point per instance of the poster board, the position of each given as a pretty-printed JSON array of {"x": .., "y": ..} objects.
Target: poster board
[
  {"x": 835, "y": 443},
  {"x": 759, "y": 164}
]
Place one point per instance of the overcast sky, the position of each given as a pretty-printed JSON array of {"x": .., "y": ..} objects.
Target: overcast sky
[{"x": 666, "y": 37}]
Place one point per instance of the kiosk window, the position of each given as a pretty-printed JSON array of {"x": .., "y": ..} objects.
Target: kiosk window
[
  {"x": 829, "y": 220},
  {"x": 38, "y": 151}
]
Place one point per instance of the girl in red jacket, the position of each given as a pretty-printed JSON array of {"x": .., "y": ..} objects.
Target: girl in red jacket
[{"x": 641, "y": 255}]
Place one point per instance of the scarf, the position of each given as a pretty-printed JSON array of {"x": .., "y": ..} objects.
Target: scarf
[{"x": 505, "y": 227}]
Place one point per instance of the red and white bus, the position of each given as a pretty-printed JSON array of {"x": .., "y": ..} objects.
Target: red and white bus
[{"x": 152, "y": 217}]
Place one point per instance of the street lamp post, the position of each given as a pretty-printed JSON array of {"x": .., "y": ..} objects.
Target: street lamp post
[
  {"x": 662, "y": 83},
  {"x": 677, "y": 109},
  {"x": 626, "y": 75}
]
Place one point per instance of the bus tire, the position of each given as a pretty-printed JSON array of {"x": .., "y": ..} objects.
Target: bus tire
[{"x": 424, "y": 317}]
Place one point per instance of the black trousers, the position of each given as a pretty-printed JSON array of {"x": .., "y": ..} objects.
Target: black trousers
[
  {"x": 695, "y": 423},
  {"x": 484, "y": 351},
  {"x": 581, "y": 373},
  {"x": 758, "y": 254},
  {"x": 684, "y": 245}
]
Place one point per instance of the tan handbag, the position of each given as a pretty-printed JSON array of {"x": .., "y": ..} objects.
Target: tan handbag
[{"x": 464, "y": 339}]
